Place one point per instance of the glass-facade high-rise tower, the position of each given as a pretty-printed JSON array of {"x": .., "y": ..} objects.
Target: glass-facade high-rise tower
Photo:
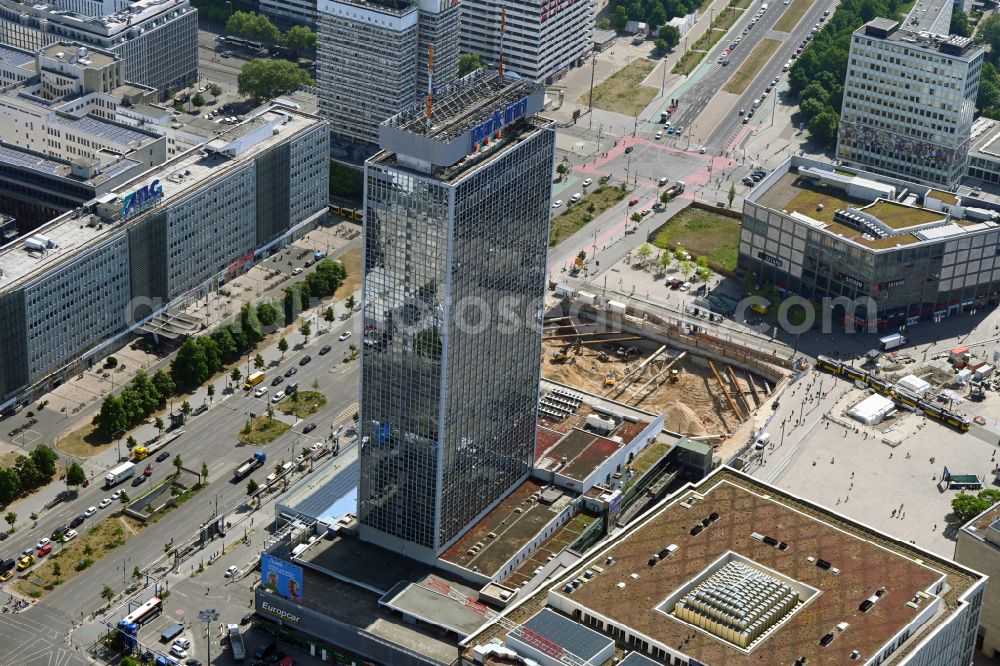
[{"x": 456, "y": 231}]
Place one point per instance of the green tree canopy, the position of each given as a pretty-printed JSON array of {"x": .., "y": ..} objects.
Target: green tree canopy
[
  {"x": 811, "y": 108},
  {"x": 469, "y": 62},
  {"x": 253, "y": 26},
  {"x": 966, "y": 507},
  {"x": 670, "y": 34},
  {"x": 190, "y": 366},
  {"x": 149, "y": 397},
  {"x": 75, "y": 476},
  {"x": 300, "y": 38},
  {"x": 163, "y": 384},
  {"x": 223, "y": 337},
  {"x": 45, "y": 460},
  {"x": 959, "y": 24},
  {"x": 989, "y": 32},
  {"x": 10, "y": 486},
  {"x": 251, "y": 324},
  {"x": 267, "y": 79},
  {"x": 619, "y": 17},
  {"x": 267, "y": 314},
  {"x": 213, "y": 359},
  {"x": 28, "y": 473},
  {"x": 823, "y": 128},
  {"x": 112, "y": 418}
]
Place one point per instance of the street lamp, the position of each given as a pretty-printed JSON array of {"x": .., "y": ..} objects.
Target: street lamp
[{"x": 208, "y": 616}]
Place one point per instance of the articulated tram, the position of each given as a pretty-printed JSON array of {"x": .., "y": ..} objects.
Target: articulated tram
[
  {"x": 356, "y": 214},
  {"x": 905, "y": 398}
]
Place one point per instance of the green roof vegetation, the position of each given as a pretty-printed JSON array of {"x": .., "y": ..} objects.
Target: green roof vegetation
[
  {"x": 898, "y": 216},
  {"x": 946, "y": 197}
]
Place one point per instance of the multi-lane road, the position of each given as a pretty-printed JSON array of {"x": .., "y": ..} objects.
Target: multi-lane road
[
  {"x": 210, "y": 438},
  {"x": 702, "y": 96}
]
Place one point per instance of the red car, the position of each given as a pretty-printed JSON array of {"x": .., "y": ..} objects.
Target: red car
[
  {"x": 633, "y": 202},
  {"x": 148, "y": 471},
  {"x": 45, "y": 550}
]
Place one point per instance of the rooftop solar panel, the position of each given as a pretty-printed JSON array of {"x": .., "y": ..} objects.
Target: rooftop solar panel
[{"x": 106, "y": 130}]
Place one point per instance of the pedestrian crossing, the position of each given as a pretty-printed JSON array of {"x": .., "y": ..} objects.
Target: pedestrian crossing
[{"x": 347, "y": 414}]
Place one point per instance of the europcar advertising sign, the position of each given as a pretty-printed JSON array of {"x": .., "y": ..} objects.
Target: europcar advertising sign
[{"x": 281, "y": 577}]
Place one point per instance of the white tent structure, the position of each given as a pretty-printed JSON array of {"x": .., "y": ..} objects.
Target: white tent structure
[
  {"x": 872, "y": 409},
  {"x": 914, "y": 385}
]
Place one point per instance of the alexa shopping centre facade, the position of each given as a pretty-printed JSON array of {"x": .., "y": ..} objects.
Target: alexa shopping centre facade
[{"x": 917, "y": 253}]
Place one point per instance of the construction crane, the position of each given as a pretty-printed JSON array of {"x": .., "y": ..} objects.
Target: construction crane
[{"x": 533, "y": 638}]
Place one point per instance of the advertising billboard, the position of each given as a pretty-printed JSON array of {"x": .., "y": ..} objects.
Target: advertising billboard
[{"x": 280, "y": 577}]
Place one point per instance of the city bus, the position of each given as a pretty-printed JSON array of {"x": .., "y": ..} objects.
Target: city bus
[
  {"x": 237, "y": 42},
  {"x": 145, "y": 612},
  {"x": 253, "y": 380}
]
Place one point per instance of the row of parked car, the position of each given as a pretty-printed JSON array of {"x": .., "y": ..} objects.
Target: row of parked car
[{"x": 755, "y": 177}]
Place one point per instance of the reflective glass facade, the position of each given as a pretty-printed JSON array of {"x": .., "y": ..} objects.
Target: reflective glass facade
[{"x": 454, "y": 279}]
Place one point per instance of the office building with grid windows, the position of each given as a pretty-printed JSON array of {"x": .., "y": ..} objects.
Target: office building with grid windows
[
  {"x": 82, "y": 283},
  {"x": 372, "y": 60},
  {"x": 909, "y": 102},
  {"x": 542, "y": 39},
  {"x": 457, "y": 215},
  {"x": 157, "y": 40}
]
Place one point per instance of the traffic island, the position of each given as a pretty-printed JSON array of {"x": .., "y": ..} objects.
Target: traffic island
[
  {"x": 262, "y": 430},
  {"x": 75, "y": 556},
  {"x": 302, "y": 403},
  {"x": 578, "y": 215},
  {"x": 164, "y": 495},
  {"x": 72, "y": 558}
]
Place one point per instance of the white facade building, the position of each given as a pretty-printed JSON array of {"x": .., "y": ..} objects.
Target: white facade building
[
  {"x": 290, "y": 11},
  {"x": 68, "y": 300},
  {"x": 156, "y": 39},
  {"x": 909, "y": 102},
  {"x": 92, "y": 8},
  {"x": 372, "y": 59},
  {"x": 542, "y": 38}
]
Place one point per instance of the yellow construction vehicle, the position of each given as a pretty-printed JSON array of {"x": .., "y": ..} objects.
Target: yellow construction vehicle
[
  {"x": 674, "y": 376},
  {"x": 610, "y": 379},
  {"x": 560, "y": 355}
]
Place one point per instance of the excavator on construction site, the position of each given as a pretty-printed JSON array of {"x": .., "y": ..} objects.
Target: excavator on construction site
[
  {"x": 561, "y": 355},
  {"x": 610, "y": 379}
]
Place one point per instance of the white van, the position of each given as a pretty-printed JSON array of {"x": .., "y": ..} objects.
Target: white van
[
  {"x": 788, "y": 63},
  {"x": 756, "y": 103},
  {"x": 762, "y": 441}
]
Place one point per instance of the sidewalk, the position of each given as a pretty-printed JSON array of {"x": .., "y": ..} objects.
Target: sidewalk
[{"x": 96, "y": 465}]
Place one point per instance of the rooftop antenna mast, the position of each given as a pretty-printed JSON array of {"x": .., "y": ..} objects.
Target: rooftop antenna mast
[
  {"x": 503, "y": 27},
  {"x": 430, "y": 82}
]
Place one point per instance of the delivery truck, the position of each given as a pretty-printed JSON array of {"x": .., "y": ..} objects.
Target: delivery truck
[
  {"x": 236, "y": 642},
  {"x": 254, "y": 379},
  {"x": 250, "y": 464},
  {"x": 892, "y": 341},
  {"x": 118, "y": 474}
]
